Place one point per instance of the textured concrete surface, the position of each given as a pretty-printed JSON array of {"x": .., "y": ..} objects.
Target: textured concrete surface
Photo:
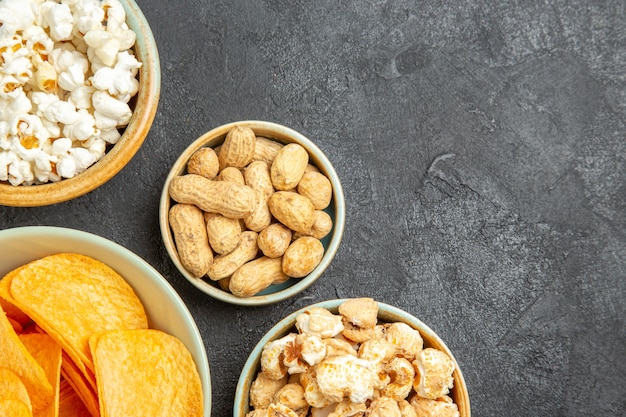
[{"x": 481, "y": 147}]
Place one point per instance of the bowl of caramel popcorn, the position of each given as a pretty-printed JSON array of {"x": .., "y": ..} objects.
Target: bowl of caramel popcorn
[
  {"x": 79, "y": 89},
  {"x": 252, "y": 212},
  {"x": 351, "y": 357}
]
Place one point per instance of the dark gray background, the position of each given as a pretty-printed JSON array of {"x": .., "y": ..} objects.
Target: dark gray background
[{"x": 481, "y": 149}]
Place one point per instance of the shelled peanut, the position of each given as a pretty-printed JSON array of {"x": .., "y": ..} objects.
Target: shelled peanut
[{"x": 262, "y": 204}]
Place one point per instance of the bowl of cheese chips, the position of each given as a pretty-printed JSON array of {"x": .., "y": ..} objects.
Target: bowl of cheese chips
[
  {"x": 89, "y": 328},
  {"x": 79, "y": 88},
  {"x": 351, "y": 357}
]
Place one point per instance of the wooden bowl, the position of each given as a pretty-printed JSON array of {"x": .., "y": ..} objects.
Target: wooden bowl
[
  {"x": 336, "y": 210},
  {"x": 386, "y": 313},
  {"x": 144, "y": 107}
]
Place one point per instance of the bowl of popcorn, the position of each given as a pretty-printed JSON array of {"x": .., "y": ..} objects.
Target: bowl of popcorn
[
  {"x": 79, "y": 89},
  {"x": 351, "y": 357},
  {"x": 252, "y": 213}
]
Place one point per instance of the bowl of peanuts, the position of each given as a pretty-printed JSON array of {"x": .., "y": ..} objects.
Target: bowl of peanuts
[
  {"x": 351, "y": 357},
  {"x": 252, "y": 213},
  {"x": 79, "y": 88}
]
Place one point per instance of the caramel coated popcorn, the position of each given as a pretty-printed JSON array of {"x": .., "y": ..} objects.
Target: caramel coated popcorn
[{"x": 320, "y": 371}]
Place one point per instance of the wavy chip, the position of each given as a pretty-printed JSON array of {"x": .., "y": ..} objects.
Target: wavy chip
[
  {"x": 14, "y": 356},
  {"x": 145, "y": 373},
  {"x": 71, "y": 297}
]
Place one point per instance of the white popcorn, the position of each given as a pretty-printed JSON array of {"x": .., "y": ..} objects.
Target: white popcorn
[
  {"x": 6, "y": 160},
  {"x": 10, "y": 87},
  {"x": 116, "y": 24},
  {"x": 46, "y": 78},
  {"x": 43, "y": 168},
  {"x": 19, "y": 104},
  {"x": 59, "y": 19},
  {"x": 119, "y": 81},
  {"x": 23, "y": 126},
  {"x": 104, "y": 45},
  {"x": 14, "y": 16},
  {"x": 89, "y": 16},
  {"x": 59, "y": 111},
  {"x": 19, "y": 66},
  {"x": 82, "y": 158},
  {"x": 66, "y": 76},
  {"x": 97, "y": 147},
  {"x": 66, "y": 167},
  {"x": 83, "y": 127},
  {"x": 110, "y": 136},
  {"x": 111, "y": 108},
  {"x": 20, "y": 171},
  {"x": 72, "y": 78},
  {"x": 81, "y": 96},
  {"x": 38, "y": 43},
  {"x": 61, "y": 146}
]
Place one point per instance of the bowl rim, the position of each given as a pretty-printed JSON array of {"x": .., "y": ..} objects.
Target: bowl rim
[
  {"x": 338, "y": 226},
  {"x": 126, "y": 254},
  {"x": 131, "y": 140},
  {"x": 284, "y": 325}
]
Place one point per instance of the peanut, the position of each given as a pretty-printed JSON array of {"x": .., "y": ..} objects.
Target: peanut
[
  {"x": 257, "y": 176},
  {"x": 302, "y": 256},
  {"x": 231, "y": 174},
  {"x": 293, "y": 210},
  {"x": 224, "y": 234},
  {"x": 224, "y": 265},
  {"x": 311, "y": 168},
  {"x": 223, "y": 284},
  {"x": 227, "y": 198},
  {"x": 255, "y": 276},
  {"x": 266, "y": 149},
  {"x": 288, "y": 166},
  {"x": 204, "y": 162},
  {"x": 322, "y": 224},
  {"x": 317, "y": 187},
  {"x": 192, "y": 245},
  {"x": 274, "y": 240},
  {"x": 260, "y": 217},
  {"x": 238, "y": 147}
]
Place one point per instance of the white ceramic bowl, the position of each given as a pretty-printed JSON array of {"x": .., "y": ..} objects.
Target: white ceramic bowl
[
  {"x": 386, "y": 313},
  {"x": 165, "y": 309},
  {"x": 144, "y": 106},
  {"x": 336, "y": 210}
]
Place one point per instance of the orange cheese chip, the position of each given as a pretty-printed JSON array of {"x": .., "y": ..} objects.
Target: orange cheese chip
[
  {"x": 14, "y": 356},
  {"x": 145, "y": 373},
  {"x": 70, "y": 404},
  {"x": 14, "y": 313},
  {"x": 84, "y": 388},
  {"x": 12, "y": 387},
  {"x": 71, "y": 297},
  {"x": 47, "y": 353},
  {"x": 14, "y": 408}
]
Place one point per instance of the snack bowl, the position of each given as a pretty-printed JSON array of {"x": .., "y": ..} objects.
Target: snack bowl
[
  {"x": 336, "y": 210},
  {"x": 164, "y": 308},
  {"x": 143, "y": 105},
  {"x": 386, "y": 314}
]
